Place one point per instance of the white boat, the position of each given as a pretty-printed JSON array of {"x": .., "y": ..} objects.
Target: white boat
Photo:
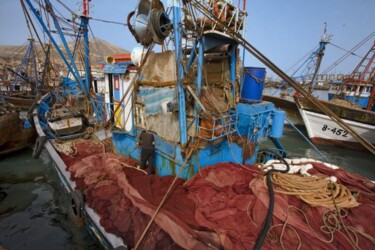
[
  {"x": 354, "y": 104},
  {"x": 322, "y": 129},
  {"x": 64, "y": 121}
]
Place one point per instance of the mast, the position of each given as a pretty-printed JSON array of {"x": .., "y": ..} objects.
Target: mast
[
  {"x": 319, "y": 55},
  {"x": 180, "y": 72},
  {"x": 311, "y": 66},
  {"x": 371, "y": 78},
  {"x": 29, "y": 58},
  {"x": 363, "y": 74},
  {"x": 68, "y": 59},
  {"x": 84, "y": 30}
]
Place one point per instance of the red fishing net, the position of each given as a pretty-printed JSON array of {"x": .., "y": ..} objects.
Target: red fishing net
[{"x": 222, "y": 206}]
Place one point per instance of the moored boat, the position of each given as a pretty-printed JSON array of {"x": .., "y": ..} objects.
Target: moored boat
[
  {"x": 15, "y": 133},
  {"x": 28, "y": 80},
  {"x": 322, "y": 130},
  {"x": 20, "y": 101},
  {"x": 353, "y": 102}
]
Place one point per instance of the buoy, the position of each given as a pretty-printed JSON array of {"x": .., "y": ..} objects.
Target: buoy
[
  {"x": 39, "y": 145},
  {"x": 76, "y": 208}
]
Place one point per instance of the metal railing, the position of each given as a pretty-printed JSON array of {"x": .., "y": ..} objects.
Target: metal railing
[
  {"x": 217, "y": 127},
  {"x": 225, "y": 11}
]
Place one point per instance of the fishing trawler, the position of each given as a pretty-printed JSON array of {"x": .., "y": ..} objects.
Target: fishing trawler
[
  {"x": 308, "y": 71},
  {"x": 208, "y": 189},
  {"x": 15, "y": 133},
  {"x": 353, "y": 102},
  {"x": 28, "y": 82},
  {"x": 16, "y": 100}
]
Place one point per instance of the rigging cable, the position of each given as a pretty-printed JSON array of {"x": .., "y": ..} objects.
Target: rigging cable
[
  {"x": 96, "y": 42},
  {"x": 17, "y": 50},
  {"x": 307, "y": 140},
  {"x": 33, "y": 26},
  {"x": 107, "y": 21},
  {"x": 305, "y": 56},
  {"x": 347, "y": 51},
  {"x": 67, "y": 8},
  {"x": 341, "y": 59}
]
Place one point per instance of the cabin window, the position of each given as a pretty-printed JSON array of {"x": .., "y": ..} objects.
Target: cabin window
[
  {"x": 361, "y": 89},
  {"x": 351, "y": 88},
  {"x": 368, "y": 89}
]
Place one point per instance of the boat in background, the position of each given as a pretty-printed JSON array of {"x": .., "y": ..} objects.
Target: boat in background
[
  {"x": 28, "y": 80},
  {"x": 308, "y": 70},
  {"x": 359, "y": 87},
  {"x": 323, "y": 130},
  {"x": 15, "y": 133},
  {"x": 354, "y": 103},
  {"x": 18, "y": 100}
]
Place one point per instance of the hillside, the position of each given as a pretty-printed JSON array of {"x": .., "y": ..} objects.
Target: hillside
[{"x": 12, "y": 56}]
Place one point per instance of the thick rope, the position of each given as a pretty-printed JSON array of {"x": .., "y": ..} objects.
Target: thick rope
[
  {"x": 320, "y": 191},
  {"x": 316, "y": 191}
]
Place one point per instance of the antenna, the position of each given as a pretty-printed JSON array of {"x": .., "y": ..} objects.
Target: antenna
[{"x": 86, "y": 7}]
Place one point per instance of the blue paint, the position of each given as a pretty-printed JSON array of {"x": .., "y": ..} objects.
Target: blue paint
[
  {"x": 180, "y": 74},
  {"x": 254, "y": 120},
  {"x": 192, "y": 55},
  {"x": 233, "y": 67},
  {"x": 200, "y": 65},
  {"x": 331, "y": 96},
  {"x": 116, "y": 91},
  {"x": 278, "y": 120},
  {"x": 362, "y": 101},
  {"x": 169, "y": 157},
  {"x": 118, "y": 68},
  {"x": 253, "y": 84},
  {"x": 71, "y": 66},
  {"x": 86, "y": 48},
  {"x": 26, "y": 124}
]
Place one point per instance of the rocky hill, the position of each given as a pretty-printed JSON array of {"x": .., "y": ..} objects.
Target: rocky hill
[{"x": 11, "y": 56}]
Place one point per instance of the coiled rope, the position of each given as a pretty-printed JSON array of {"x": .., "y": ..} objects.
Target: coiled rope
[{"x": 315, "y": 191}]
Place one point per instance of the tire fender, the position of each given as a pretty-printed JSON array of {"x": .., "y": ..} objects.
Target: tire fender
[
  {"x": 39, "y": 145},
  {"x": 75, "y": 208}
]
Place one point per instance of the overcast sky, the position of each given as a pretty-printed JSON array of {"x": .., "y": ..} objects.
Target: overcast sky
[{"x": 282, "y": 30}]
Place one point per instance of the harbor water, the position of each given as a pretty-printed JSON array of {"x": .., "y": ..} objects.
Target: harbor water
[
  {"x": 33, "y": 212},
  {"x": 320, "y": 94}
]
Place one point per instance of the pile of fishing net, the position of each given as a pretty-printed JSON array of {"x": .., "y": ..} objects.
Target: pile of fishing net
[{"x": 225, "y": 206}]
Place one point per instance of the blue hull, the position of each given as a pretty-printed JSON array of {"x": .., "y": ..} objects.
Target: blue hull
[{"x": 253, "y": 124}]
